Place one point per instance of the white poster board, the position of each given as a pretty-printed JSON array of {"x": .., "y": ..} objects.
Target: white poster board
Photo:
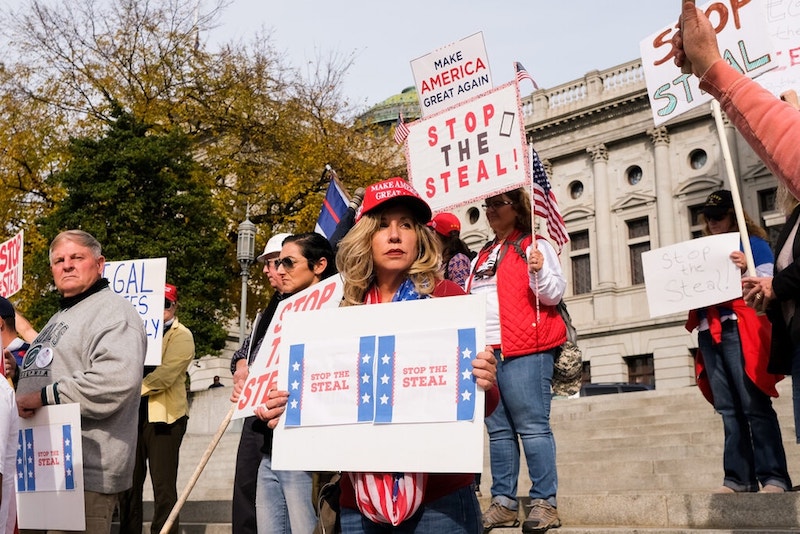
[
  {"x": 265, "y": 370},
  {"x": 452, "y": 74},
  {"x": 11, "y": 265},
  {"x": 691, "y": 275},
  {"x": 50, "y": 470},
  {"x": 783, "y": 22},
  {"x": 743, "y": 41},
  {"x": 469, "y": 152},
  {"x": 391, "y": 379},
  {"x": 142, "y": 282}
]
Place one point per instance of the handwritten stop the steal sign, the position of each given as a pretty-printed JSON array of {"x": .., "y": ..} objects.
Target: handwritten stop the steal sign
[{"x": 692, "y": 274}]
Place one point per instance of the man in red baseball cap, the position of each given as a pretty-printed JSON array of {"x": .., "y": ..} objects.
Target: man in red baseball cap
[{"x": 163, "y": 414}]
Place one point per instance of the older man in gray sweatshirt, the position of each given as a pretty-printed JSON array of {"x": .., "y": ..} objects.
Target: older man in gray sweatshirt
[{"x": 91, "y": 352}]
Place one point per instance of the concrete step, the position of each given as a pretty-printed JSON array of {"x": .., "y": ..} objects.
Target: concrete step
[{"x": 633, "y": 463}]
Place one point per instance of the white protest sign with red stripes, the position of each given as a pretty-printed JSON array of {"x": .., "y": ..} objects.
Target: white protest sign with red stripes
[
  {"x": 469, "y": 152},
  {"x": 264, "y": 371},
  {"x": 11, "y": 265}
]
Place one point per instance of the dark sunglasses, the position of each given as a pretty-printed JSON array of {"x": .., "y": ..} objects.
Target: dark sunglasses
[
  {"x": 287, "y": 262},
  {"x": 717, "y": 218},
  {"x": 167, "y": 304},
  {"x": 497, "y": 204}
]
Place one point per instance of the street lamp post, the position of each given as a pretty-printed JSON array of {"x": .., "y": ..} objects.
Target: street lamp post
[{"x": 246, "y": 254}]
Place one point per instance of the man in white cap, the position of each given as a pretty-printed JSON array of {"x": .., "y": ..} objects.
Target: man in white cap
[{"x": 254, "y": 432}]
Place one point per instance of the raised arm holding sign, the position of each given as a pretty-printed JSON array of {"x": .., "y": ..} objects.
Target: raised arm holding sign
[{"x": 771, "y": 127}]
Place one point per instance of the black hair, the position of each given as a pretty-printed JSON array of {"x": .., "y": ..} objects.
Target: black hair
[
  {"x": 314, "y": 247},
  {"x": 452, "y": 245}
]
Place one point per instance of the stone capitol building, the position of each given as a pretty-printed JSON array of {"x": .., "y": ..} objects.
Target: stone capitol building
[{"x": 624, "y": 187}]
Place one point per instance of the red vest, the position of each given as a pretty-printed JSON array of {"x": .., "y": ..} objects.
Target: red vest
[{"x": 520, "y": 333}]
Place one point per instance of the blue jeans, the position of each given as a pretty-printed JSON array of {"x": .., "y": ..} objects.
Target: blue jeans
[
  {"x": 456, "y": 513},
  {"x": 283, "y": 501},
  {"x": 524, "y": 411},
  {"x": 753, "y": 450}
]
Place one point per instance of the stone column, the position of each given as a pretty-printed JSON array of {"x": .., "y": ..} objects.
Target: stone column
[
  {"x": 603, "y": 230},
  {"x": 664, "y": 205}
]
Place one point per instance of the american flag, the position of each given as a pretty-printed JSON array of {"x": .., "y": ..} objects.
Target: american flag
[
  {"x": 544, "y": 202},
  {"x": 523, "y": 75},
  {"x": 401, "y": 131}
]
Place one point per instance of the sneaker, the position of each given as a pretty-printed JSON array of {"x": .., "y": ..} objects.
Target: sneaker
[
  {"x": 772, "y": 488},
  {"x": 498, "y": 515},
  {"x": 543, "y": 516}
]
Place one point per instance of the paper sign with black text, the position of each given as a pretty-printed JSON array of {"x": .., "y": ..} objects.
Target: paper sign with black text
[
  {"x": 471, "y": 151},
  {"x": 452, "y": 74},
  {"x": 691, "y": 275},
  {"x": 50, "y": 470},
  {"x": 391, "y": 393},
  {"x": 743, "y": 40},
  {"x": 11, "y": 265},
  {"x": 142, "y": 282},
  {"x": 783, "y": 23},
  {"x": 264, "y": 372}
]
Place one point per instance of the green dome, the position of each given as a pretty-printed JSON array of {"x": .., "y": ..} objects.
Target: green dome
[{"x": 387, "y": 111}]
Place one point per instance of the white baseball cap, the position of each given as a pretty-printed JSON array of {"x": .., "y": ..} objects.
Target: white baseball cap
[{"x": 274, "y": 244}]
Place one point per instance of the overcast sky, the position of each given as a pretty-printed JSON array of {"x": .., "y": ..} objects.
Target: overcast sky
[{"x": 556, "y": 40}]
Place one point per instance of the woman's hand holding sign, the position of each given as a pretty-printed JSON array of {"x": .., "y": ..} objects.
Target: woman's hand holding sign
[
  {"x": 757, "y": 292},
  {"x": 484, "y": 368}
]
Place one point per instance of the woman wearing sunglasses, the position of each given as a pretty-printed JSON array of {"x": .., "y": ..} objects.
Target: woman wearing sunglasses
[
  {"x": 284, "y": 498},
  {"x": 523, "y": 283},
  {"x": 733, "y": 351}
]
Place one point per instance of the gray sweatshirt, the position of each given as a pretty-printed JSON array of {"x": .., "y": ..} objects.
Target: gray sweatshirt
[{"x": 92, "y": 353}]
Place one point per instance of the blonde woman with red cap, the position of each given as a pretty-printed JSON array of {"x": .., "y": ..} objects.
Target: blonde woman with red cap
[
  {"x": 390, "y": 256},
  {"x": 456, "y": 256}
]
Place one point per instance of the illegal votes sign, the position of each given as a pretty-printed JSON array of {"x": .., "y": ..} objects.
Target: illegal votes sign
[
  {"x": 142, "y": 282},
  {"x": 743, "y": 40},
  {"x": 452, "y": 74},
  {"x": 470, "y": 151}
]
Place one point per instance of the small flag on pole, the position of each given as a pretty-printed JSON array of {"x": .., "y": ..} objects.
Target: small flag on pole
[
  {"x": 334, "y": 207},
  {"x": 401, "y": 131},
  {"x": 523, "y": 74},
  {"x": 544, "y": 202}
]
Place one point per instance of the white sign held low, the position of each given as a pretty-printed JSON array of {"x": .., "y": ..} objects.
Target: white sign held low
[
  {"x": 691, "y": 275},
  {"x": 383, "y": 394},
  {"x": 50, "y": 470}
]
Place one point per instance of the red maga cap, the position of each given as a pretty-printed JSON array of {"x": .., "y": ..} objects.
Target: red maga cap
[
  {"x": 171, "y": 293},
  {"x": 394, "y": 190},
  {"x": 445, "y": 223}
]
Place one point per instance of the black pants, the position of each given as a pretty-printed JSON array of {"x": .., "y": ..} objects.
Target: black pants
[
  {"x": 158, "y": 445},
  {"x": 248, "y": 458}
]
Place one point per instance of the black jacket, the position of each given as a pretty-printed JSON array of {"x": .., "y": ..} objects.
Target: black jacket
[{"x": 785, "y": 286}]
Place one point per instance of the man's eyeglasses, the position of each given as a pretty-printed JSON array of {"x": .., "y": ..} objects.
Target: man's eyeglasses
[
  {"x": 287, "y": 262},
  {"x": 496, "y": 204}
]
